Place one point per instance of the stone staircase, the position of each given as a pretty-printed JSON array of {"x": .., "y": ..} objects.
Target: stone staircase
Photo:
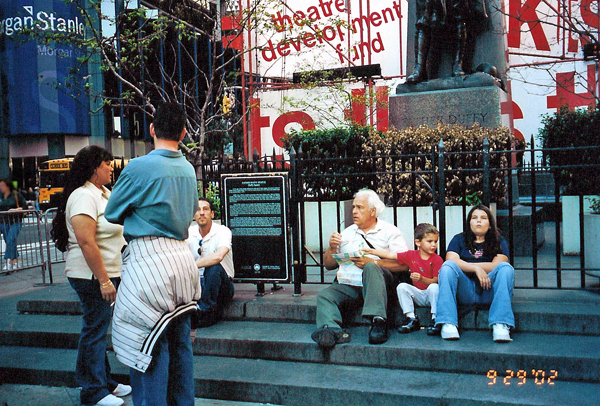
[{"x": 263, "y": 353}]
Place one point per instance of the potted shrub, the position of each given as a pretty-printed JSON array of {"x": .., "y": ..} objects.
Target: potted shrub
[
  {"x": 560, "y": 133},
  {"x": 410, "y": 150},
  {"x": 570, "y": 220},
  {"x": 326, "y": 153},
  {"x": 591, "y": 227}
]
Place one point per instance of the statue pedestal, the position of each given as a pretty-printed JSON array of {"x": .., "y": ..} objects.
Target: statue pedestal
[{"x": 463, "y": 106}]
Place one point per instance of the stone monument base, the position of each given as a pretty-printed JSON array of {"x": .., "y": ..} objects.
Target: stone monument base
[
  {"x": 462, "y": 106},
  {"x": 477, "y": 79}
]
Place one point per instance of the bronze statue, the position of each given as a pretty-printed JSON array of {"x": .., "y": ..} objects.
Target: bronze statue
[{"x": 455, "y": 15}]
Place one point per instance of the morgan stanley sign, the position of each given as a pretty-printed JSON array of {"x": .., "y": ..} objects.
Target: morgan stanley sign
[{"x": 42, "y": 94}]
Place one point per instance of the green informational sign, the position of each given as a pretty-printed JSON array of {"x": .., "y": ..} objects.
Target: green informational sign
[{"x": 256, "y": 212}]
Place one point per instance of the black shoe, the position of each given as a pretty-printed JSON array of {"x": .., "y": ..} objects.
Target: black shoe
[
  {"x": 203, "y": 319},
  {"x": 325, "y": 337},
  {"x": 379, "y": 331},
  {"x": 434, "y": 330},
  {"x": 342, "y": 336},
  {"x": 410, "y": 325}
]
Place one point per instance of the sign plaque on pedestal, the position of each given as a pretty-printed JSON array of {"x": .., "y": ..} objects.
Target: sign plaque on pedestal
[{"x": 256, "y": 212}]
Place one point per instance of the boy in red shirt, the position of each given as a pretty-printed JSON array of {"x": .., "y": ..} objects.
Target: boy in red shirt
[{"x": 424, "y": 265}]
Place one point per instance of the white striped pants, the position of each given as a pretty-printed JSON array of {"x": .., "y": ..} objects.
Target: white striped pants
[{"x": 160, "y": 281}]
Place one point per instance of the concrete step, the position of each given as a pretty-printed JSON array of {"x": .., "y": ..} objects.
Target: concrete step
[
  {"x": 53, "y": 331},
  {"x": 544, "y": 311},
  {"x": 37, "y": 395},
  {"x": 474, "y": 353},
  {"x": 302, "y": 383}
]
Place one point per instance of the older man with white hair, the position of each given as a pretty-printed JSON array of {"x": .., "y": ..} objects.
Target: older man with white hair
[{"x": 366, "y": 278}]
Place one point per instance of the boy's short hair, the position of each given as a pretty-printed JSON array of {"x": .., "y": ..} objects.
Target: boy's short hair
[
  {"x": 421, "y": 230},
  {"x": 169, "y": 121}
]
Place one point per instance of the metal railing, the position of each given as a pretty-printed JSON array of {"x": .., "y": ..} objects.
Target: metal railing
[
  {"x": 546, "y": 248},
  {"x": 53, "y": 255},
  {"x": 22, "y": 241},
  {"x": 26, "y": 236},
  {"x": 533, "y": 225}
]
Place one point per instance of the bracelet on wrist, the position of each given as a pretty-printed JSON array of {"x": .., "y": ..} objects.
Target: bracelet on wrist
[{"x": 106, "y": 284}]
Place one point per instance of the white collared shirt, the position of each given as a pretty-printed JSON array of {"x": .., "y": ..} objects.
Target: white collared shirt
[
  {"x": 218, "y": 236},
  {"x": 384, "y": 236},
  {"x": 91, "y": 201}
]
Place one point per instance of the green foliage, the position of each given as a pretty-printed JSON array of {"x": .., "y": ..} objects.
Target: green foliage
[
  {"x": 400, "y": 152},
  {"x": 334, "y": 142},
  {"x": 573, "y": 128},
  {"x": 219, "y": 133},
  {"x": 471, "y": 199},
  {"x": 399, "y": 164},
  {"x": 594, "y": 205},
  {"x": 321, "y": 175},
  {"x": 212, "y": 194}
]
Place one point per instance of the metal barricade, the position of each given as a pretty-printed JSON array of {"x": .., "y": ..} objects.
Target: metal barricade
[
  {"x": 23, "y": 241},
  {"x": 53, "y": 254}
]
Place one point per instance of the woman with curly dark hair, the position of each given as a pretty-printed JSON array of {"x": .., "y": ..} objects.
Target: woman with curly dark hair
[
  {"x": 93, "y": 267},
  {"x": 477, "y": 271}
]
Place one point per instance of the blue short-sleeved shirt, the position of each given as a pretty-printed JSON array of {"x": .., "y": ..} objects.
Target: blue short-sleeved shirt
[
  {"x": 458, "y": 245},
  {"x": 156, "y": 195}
]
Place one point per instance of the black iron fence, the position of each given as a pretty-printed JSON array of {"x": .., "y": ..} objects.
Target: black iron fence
[
  {"x": 538, "y": 226},
  {"x": 553, "y": 237}
]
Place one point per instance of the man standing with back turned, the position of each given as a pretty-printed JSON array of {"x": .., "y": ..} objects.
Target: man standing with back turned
[{"x": 154, "y": 199}]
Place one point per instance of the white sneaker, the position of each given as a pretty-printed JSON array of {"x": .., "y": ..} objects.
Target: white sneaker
[
  {"x": 110, "y": 400},
  {"x": 450, "y": 332},
  {"x": 122, "y": 390},
  {"x": 501, "y": 333},
  {"x": 7, "y": 267}
]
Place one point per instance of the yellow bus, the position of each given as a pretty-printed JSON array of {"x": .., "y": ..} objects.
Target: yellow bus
[{"x": 52, "y": 179}]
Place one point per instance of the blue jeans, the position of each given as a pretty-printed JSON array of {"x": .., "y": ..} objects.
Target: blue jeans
[
  {"x": 92, "y": 370},
  {"x": 169, "y": 379},
  {"x": 10, "y": 232},
  {"x": 454, "y": 284},
  {"x": 217, "y": 289}
]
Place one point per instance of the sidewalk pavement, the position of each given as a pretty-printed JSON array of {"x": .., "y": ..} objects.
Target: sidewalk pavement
[
  {"x": 34, "y": 395},
  {"x": 30, "y": 279}
]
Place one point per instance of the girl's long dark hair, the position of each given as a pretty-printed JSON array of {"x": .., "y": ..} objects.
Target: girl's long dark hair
[
  {"x": 491, "y": 245},
  {"x": 82, "y": 168}
]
